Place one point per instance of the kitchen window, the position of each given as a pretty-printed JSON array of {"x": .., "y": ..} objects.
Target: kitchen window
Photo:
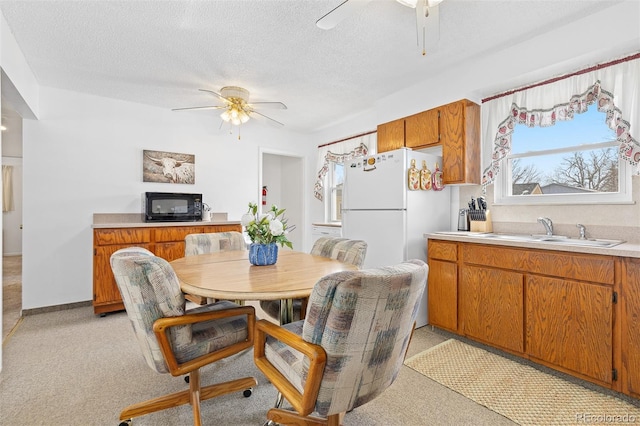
[
  {"x": 571, "y": 162},
  {"x": 335, "y": 179},
  {"x": 572, "y": 139}
]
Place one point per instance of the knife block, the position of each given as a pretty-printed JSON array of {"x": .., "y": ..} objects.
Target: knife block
[{"x": 482, "y": 225}]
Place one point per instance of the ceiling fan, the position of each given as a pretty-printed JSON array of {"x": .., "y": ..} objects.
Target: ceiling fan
[
  {"x": 427, "y": 18},
  {"x": 237, "y": 109}
]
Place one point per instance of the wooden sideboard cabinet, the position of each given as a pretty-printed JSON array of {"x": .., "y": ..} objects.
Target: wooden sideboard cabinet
[
  {"x": 164, "y": 241},
  {"x": 577, "y": 313}
]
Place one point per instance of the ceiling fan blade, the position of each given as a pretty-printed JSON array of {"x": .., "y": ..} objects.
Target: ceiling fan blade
[
  {"x": 202, "y": 107},
  {"x": 340, "y": 12},
  {"x": 268, "y": 118},
  {"x": 273, "y": 105},
  {"x": 215, "y": 93}
]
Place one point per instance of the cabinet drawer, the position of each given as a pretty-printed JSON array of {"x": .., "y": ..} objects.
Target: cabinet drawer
[
  {"x": 103, "y": 237},
  {"x": 176, "y": 233},
  {"x": 594, "y": 268},
  {"x": 443, "y": 250},
  {"x": 222, "y": 228}
]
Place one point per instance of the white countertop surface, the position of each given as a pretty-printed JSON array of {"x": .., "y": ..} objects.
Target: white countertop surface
[
  {"x": 621, "y": 250},
  {"x": 159, "y": 224}
]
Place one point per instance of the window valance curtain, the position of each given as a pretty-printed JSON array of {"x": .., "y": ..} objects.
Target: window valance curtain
[
  {"x": 614, "y": 89},
  {"x": 340, "y": 152}
]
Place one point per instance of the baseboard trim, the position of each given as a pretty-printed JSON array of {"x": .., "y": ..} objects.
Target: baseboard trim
[{"x": 54, "y": 308}]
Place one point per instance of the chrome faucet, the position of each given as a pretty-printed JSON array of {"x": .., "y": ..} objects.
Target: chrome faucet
[
  {"x": 582, "y": 229},
  {"x": 547, "y": 223}
]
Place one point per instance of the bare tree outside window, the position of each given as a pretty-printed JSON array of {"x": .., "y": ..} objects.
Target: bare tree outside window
[{"x": 595, "y": 170}]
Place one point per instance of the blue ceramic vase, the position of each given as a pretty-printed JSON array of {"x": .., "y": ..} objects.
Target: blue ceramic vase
[{"x": 263, "y": 254}]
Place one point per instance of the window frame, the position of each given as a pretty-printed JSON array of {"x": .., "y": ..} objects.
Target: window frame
[
  {"x": 330, "y": 194},
  {"x": 503, "y": 183}
]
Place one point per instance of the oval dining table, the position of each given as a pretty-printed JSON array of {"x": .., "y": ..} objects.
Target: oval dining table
[{"x": 228, "y": 275}]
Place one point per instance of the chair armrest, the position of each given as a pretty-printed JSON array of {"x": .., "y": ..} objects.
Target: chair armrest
[
  {"x": 303, "y": 403},
  {"x": 162, "y": 325}
]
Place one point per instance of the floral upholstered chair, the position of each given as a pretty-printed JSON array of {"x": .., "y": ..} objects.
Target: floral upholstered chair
[
  {"x": 174, "y": 340},
  {"x": 213, "y": 242},
  {"x": 342, "y": 249},
  {"x": 348, "y": 349}
]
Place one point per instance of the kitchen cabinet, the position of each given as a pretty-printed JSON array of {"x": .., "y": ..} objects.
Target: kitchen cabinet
[
  {"x": 164, "y": 241},
  {"x": 455, "y": 127},
  {"x": 570, "y": 324},
  {"x": 442, "y": 288},
  {"x": 630, "y": 322},
  {"x": 574, "y": 312},
  {"x": 460, "y": 138},
  {"x": 422, "y": 130},
  {"x": 491, "y": 306},
  {"x": 390, "y": 135}
]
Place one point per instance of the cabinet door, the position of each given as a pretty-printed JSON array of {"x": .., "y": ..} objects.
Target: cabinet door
[
  {"x": 460, "y": 137},
  {"x": 105, "y": 289},
  {"x": 391, "y": 135},
  {"x": 491, "y": 306},
  {"x": 422, "y": 130},
  {"x": 569, "y": 324},
  {"x": 175, "y": 233},
  {"x": 630, "y": 299},
  {"x": 442, "y": 289},
  {"x": 170, "y": 251}
]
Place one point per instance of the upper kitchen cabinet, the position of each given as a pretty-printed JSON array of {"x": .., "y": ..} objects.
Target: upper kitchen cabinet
[
  {"x": 422, "y": 130},
  {"x": 455, "y": 127},
  {"x": 391, "y": 135},
  {"x": 460, "y": 138}
]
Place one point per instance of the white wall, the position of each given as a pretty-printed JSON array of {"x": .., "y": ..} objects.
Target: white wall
[{"x": 84, "y": 156}]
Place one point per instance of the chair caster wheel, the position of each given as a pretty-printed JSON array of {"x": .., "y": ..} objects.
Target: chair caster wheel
[
  {"x": 247, "y": 392},
  {"x": 125, "y": 423},
  {"x": 186, "y": 379}
]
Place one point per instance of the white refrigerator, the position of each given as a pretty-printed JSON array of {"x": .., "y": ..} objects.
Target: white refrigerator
[{"x": 379, "y": 208}]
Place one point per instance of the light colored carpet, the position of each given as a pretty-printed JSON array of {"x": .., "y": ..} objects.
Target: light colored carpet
[
  {"x": 520, "y": 392},
  {"x": 11, "y": 293},
  {"x": 72, "y": 367}
]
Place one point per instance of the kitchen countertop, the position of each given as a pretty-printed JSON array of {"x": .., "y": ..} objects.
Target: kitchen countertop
[
  {"x": 135, "y": 220},
  {"x": 159, "y": 224},
  {"x": 621, "y": 250},
  {"x": 334, "y": 225}
]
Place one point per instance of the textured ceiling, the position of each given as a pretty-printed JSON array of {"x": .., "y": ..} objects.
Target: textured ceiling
[{"x": 161, "y": 52}]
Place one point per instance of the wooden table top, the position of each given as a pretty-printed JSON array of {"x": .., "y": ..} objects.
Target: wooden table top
[{"x": 229, "y": 275}]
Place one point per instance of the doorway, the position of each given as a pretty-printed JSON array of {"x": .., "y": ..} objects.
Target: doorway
[
  {"x": 283, "y": 176},
  {"x": 11, "y": 219}
]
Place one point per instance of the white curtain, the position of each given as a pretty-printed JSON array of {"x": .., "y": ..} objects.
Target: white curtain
[
  {"x": 340, "y": 152},
  {"x": 615, "y": 89},
  {"x": 7, "y": 189}
]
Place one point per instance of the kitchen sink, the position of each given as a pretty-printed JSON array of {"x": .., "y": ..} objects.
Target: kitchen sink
[{"x": 553, "y": 239}]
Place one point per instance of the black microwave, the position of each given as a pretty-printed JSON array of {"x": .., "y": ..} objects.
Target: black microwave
[{"x": 172, "y": 207}]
